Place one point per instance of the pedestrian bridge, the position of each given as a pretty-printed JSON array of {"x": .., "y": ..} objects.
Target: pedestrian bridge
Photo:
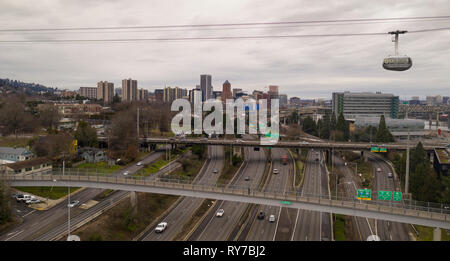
[{"x": 425, "y": 215}]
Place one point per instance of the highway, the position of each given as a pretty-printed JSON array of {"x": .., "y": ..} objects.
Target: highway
[
  {"x": 313, "y": 225},
  {"x": 363, "y": 227},
  {"x": 387, "y": 230},
  {"x": 186, "y": 207},
  {"x": 220, "y": 228},
  {"x": 263, "y": 230},
  {"x": 39, "y": 223}
]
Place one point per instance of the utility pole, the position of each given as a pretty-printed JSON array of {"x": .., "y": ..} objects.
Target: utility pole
[
  {"x": 407, "y": 166},
  {"x": 137, "y": 125}
]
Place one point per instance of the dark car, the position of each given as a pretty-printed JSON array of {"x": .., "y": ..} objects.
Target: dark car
[{"x": 261, "y": 215}]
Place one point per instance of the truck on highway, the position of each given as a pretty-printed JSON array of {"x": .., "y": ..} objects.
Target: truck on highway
[{"x": 284, "y": 159}]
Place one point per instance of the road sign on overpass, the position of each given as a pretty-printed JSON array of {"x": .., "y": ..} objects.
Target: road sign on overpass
[
  {"x": 384, "y": 195},
  {"x": 397, "y": 196},
  {"x": 365, "y": 194}
]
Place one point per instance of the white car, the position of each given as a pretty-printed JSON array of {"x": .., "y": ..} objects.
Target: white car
[
  {"x": 161, "y": 227},
  {"x": 303, "y": 142},
  {"x": 126, "y": 173},
  {"x": 220, "y": 213},
  {"x": 275, "y": 171},
  {"x": 33, "y": 201},
  {"x": 215, "y": 170},
  {"x": 139, "y": 163},
  {"x": 73, "y": 203},
  {"x": 272, "y": 218},
  {"x": 390, "y": 175}
]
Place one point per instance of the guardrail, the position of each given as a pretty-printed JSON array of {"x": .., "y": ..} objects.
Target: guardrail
[{"x": 428, "y": 210}]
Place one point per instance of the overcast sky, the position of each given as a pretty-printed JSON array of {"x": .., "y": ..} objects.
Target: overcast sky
[{"x": 303, "y": 67}]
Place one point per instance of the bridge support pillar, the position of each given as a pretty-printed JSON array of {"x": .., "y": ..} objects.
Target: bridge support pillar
[
  {"x": 133, "y": 201},
  {"x": 328, "y": 157},
  {"x": 437, "y": 234},
  {"x": 364, "y": 155}
]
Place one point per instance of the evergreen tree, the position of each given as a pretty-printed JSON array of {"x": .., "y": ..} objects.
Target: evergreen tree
[
  {"x": 325, "y": 130},
  {"x": 5, "y": 206},
  {"x": 342, "y": 125},
  {"x": 319, "y": 128},
  {"x": 309, "y": 126},
  {"x": 383, "y": 133}
]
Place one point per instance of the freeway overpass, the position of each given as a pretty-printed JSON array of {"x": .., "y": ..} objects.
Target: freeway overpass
[
  {"x": 287, "y": 144},
  {"x": 438, "y": 217}
]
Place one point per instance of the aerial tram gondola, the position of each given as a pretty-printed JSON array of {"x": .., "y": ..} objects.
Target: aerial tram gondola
[{"x": 397, "y": 62}]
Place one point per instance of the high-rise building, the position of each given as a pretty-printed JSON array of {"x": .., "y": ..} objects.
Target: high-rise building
[
  {"x": 88, "y": 92},
  {"x": 171, "y": 94},
  {"x": 105, "y": 91},
  {"x": 205, "y": 86},
  {"x": 143, "y": 95},
  {"x": 226, "y": 91},
  {"x": 365, "y": 104},
  {"x": 129, "y": 90},
  {"x": 159, "y": 95}
]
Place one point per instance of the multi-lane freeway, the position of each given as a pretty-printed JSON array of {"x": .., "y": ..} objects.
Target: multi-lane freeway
[
  {"x": 384, "y": 229},
  {"x": 221, "y": 228},
  {"x": 313, "y": 225},
  {"x": 46, "y": 224},
  {"x": 186, "y": 207},
  {"x": 262, "y": 229}
]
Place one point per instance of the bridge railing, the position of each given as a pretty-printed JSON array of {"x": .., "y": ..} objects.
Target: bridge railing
[{"x": 426, "y": 209}]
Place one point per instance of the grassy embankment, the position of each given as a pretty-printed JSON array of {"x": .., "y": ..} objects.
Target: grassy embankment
[
  {"x": 120, "y": 224},
  {"x": 229, "y": 170},
  {"x": 300, "y": 165}
]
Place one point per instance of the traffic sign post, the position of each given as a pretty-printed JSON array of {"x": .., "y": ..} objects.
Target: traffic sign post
[
  {"x": 397, "y": 196},
  {"x": 364, "y": 194},
  {"x": 384, "y": 195}
]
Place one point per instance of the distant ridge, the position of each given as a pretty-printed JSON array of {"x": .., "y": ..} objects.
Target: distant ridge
[{"x": 14, "y": 86}]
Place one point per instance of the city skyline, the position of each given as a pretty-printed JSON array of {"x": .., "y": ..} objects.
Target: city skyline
[{"x": 306, "y": 67}]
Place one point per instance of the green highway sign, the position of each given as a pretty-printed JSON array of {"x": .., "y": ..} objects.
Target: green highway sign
[
  {"x": 286, "y": 202},
  {"x": 397, "y": 196},
  {"x": 384, "y": 195},
  {"x": 365, "y": 194},
  {"x": 405, "y": 102},
  {"x": 383, "y": 150},
  {"x": 374, "y": 149}
]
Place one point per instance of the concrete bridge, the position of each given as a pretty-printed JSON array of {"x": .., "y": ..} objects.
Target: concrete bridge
[{"x": 425, "y": 215}]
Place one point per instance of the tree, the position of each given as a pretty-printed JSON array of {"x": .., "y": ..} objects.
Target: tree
[
  {"x": 85, "y": 135},
  {"x": 342, "y": 125},
  {"x": 309, "y": 126},
  {"x": 424, "y": 185},
  {"x": 14, "y": 118},
  {"x": 49, "y": 116},
  {"x": 116, "y": 98},
  {"x": 293, "y": 118},
  {"x": 383, "y": 134},
  {"x": 53, "y": 145},
  {"x": 5, "y": 206},
  {"x": 325, "y": 129},
  {"x": 123, "y": 130}
]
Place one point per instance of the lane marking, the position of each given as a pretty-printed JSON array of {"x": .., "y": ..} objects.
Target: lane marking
[
  {"x": 14, "y": 235},
  {"x": 29, "y": 213}
]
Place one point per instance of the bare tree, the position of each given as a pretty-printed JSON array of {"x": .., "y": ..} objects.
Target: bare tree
[
  {"x": 14, "y": 119},
  {"x": 49, "y": 116}
]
